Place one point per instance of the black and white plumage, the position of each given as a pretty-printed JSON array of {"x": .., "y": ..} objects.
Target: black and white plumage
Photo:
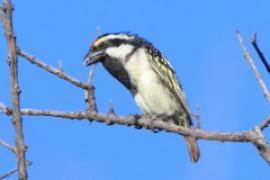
[{"x": 147, "y": 74}]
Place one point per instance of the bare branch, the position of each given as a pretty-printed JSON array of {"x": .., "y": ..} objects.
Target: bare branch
[
  {"x": 143, "y": 121},
  {"x": 252, "y": 65},
  {"x": 139, "y": 121},
  {"x": 146, "y": 122},
  {"x": 13, "y": 66},
  {"x": 10, "y": 172},
  {"x": 259, "y": 142},
  {"x": 256, "y": 136},
  {"x": 4, "y": 109},
  {"x": 90, "y": 99},
  {"x": 8, "y": 146},
  {"x": 52, "y": 70},
  {"x": 265, "y": 123},
  {"x": 259, "y": 52}
]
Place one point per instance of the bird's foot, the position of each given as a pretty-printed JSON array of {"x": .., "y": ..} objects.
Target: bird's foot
[{"x": 152, "y": 118}]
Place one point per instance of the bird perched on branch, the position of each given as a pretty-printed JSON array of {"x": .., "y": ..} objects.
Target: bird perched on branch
[{"x": 147, "y": 74}]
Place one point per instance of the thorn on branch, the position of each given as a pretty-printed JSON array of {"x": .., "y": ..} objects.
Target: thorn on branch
[
  {"x": 111, "y": 111},
  {"x": 110, "y": 108},
  {"x": 60, "y": 66},
  {"x": 197, "y": 117},
  {"x": 259, "y": 52}
]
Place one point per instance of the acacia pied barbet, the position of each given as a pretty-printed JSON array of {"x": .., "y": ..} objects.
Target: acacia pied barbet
[{"x": 147, "y": 74}]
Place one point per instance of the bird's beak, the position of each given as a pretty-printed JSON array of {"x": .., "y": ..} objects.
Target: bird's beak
[{"x": 93, "y": 57}]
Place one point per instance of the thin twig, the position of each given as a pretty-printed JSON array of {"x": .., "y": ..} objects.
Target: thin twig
[
  {"x": 252, "y": 65},
  {"x": 265, "y": 123},
  {"x": 90, "y": 98},
  {"x": 259, "y": 52},
  {"x": 8, "y": 146},
  {"x": 91, "y": 73},
  {"x": 10, "y": 172},
  {"x": 13, "y": 66},
  {"x": 52, "y": 70},
  {"x": 6, "y": 110},
  {"x": 3, "y": 108}
]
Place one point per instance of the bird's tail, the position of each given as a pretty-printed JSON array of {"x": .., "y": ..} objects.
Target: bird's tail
[{"x": 193, "y": 148}]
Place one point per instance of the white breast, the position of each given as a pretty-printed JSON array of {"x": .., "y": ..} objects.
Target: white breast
[{"x": 152, "y": 97}]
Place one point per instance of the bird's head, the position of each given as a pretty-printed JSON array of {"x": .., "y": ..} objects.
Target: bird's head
[{"x": 113, "y": 46}]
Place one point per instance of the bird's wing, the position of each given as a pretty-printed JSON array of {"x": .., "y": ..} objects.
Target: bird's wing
[{"x": 167, "y": 75}]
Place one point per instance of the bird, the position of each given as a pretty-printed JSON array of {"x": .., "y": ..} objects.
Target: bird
[{"x": 147, "y": 74}]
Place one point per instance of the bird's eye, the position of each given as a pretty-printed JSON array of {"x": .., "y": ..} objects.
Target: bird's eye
[{"x": 101, "y": 45}]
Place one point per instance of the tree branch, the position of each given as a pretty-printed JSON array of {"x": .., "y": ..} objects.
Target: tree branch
[
  {"x": 144, "y": 121},
  {"x": 148, "y": 123},
  {"x": 4, "y": 109},
  {"x": 90, "y": 99},
  {"x": 265, "y": 123},
  {"x": 8, "y": 146},
  {"x": 13, "y": 66},
  {"x": 52, "y": 70},
  {"x": 259, "y": 142},
  {"x": 252, "y": 65},
  {"x": 259, "y": 52}
]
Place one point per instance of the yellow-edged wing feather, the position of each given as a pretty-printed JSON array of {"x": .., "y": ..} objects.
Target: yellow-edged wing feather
[{"x": 167, "y": 75}]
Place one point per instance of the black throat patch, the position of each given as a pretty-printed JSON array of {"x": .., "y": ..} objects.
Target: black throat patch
[{"x": 117, "y": 70}]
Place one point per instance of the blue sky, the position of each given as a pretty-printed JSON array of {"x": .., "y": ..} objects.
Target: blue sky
[{"x": 198, "y": 37}]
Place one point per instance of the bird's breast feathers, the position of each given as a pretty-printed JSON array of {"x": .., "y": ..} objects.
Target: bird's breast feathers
[{"x": 152, "y": 96}]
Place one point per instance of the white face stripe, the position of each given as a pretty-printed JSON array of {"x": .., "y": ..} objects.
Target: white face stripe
[
  {"x": 113, "y": 36},
  {"x": 121, "y": 52}
]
